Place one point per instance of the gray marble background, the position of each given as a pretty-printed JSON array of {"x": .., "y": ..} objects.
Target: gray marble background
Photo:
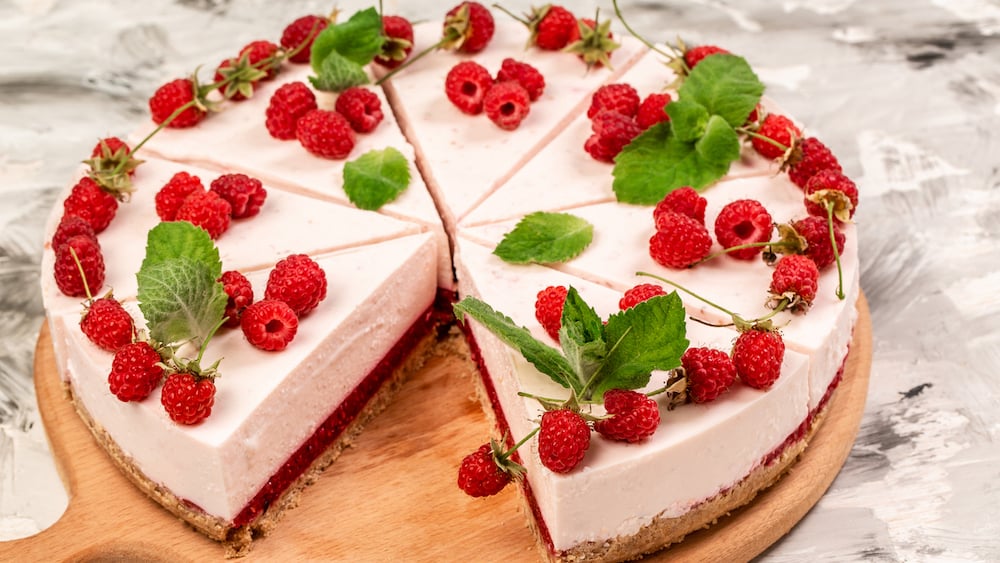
[{"x": 906, "y": 92}]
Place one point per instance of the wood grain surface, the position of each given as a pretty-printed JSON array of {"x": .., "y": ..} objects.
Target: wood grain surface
[{"x": 392, "y": 496}]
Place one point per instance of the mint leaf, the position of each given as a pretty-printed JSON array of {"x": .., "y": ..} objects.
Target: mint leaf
[
  {"x": 544, "y": 237},
  {"x": 720, "y": 143},
  {"x": 547, "y": 359},
  {"x": 337, "y": 73},
  {"x": 359, "y": 40},
  {"x": 582, "y": 338},
  {"x": 725, "y": 85},
  {"x": 656, "y": 163},
  {"x": 176, "y": 239},
  {"x": 180, "y": 299},
  {"x": 376, "y": 178},
  {"x": 687, "y": 119},
  {"x": 649, "y": 336}
]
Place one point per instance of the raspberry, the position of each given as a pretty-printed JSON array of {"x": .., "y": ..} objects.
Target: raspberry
[
  {"x": 69, "y": 227},
  {"x": 171, "y": 97},
  {"x": 779, "y": 129},
  {"x": 107, "y": 324},
  {"x": 507, "y": 104},
  {"x": 240, "y": 293},
  {"x": 245, "y": 195},
  {"x": 679, "y": 242},
  {"x": 809, "y": 157},
  {"x": 795, "y": 278},
  {"x": 263, "y": 56},
  {"x": 592, "y": 43},
  {"x": 563, "y": 440},
  {"x": 236, "y": 89},
  {"x": 635, "y": 416},
  {"x": 621, "y": 98},
  {"x": 842, "y": 193},
  {"x": 172, "y": 195},
  {"x": 109, "y": 146},
  {"x": 269, "y": 324},
  {"x": 466, "y": 86},
  {"x": 287, "y": 105},
  {"x": 652, "y": 110},
  {"x": 88, "y": 201},
  {"x": 135, "y": 371},
  {"x": 757, "y": 356},
  {"x": 554, "y": 27},
  {"x": 470, "y": 26},
  {"x": 524, "y": 74},
  {"x": 695, "y": 55},
  {"x": 709, "y": 373},
  {"x": 638, "y": 294},
  {"x": 326, "y": 134},
  {"x": 744, "y": 221},
  {"x": 612, "y": 132},
  {"x": 298, "y": 281},
  {"x": 480, "y": 476},
  {"x": 399, "y": 41},
  {"x": 67, "y": 273},
  {"x": 110, "y": 153},
  {"x": 302, "y": 32},
  {"x": 685, "y": 201},
  {"x": 206, "y": 210},
  {"x": 188, "y": 399},
  {"x": 361, "y": 107},
  {"x": 548, "y": 309},
  {"x": 816, "y": 232}
]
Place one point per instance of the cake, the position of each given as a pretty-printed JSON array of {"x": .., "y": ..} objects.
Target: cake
[{"x": 394, "y": 270}]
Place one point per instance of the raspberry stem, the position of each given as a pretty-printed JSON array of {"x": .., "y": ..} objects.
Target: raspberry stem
[
  {"x": 740, "y": 247},
  {"x": 836, "y": 252},
  {"x": 646, "y": 42},
  {"x": 521, "y": 442},
  {"x": 83, "y": 276},
  {"x": 414, "y": 59},
  {"x": 511, "y": 14},
  {"x": 689, "y": 292},
  {"x": 755, "y": 135}
]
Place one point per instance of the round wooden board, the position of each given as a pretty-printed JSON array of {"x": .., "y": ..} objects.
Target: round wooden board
[{"x": 392, "y": 496}]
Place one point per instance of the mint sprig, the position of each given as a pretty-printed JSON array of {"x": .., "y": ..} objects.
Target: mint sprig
[
  {"x": 340, "y": 52},
  {"x": 544, "y": 237},
  {"x": 376, "y": 178}
]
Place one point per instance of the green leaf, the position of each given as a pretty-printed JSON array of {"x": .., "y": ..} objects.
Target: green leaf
[
  {"x": 581, "y": 337},
  {"x": 687, "y": 119},
  {"x": 720, "y": 143},
  {"x": 176, "y": 239},
  {"x": 725, "y": 85},
  {"x": 647, "y": 337},
  {"x": 544, "y": 237},
  {"x": 359, "y": 40},
  {"x": 376, "y": 178},
  {"x": 180, "y": 299},
  {"x": 337, "y": 73},
  {"x": 547, "y": 359},
  {"x": 656, "y": 163}
]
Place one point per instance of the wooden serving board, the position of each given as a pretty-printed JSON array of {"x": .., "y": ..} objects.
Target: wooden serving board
[{"x": 393, "y": 496}]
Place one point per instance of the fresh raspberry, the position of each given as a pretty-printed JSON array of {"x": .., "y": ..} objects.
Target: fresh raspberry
[
  {"x": 245, "y": 195},
  {"x": 679, "y": 241},
  {"x": 621, "y": 98},
  {"x": 795, "y": 278},
  {"x": 778, "y": 129},
  {"x": 263, "y": 56},
  {"x": 69, "y": 227},
  {"x": 107, "y": 324},
  {"x": 507, "y": 104},
  {"x": 757, "y": 355},
  {"x": 816, "y": 233},
  {"x": 553, "y": 27},
  {"x": 563, "y": 440},
  {"x": 652, "y": 110},
  {"x": 302, "y": 32},
  {"x": 269, "y": 324},
  {"x": 206, "y": 210},
  {"x": 240, "y": 293},
  {"x": 109, "y": 146},
  {"x": 638, "y": 294},
  {"x": 480, "y": 476},
  {"x": 837, "y": 189},
  {"x": 298, "y": 281},
  {"x": 237, "y": 89},
  {"x": 171, "y": 97},
  {"x": 593, "y": 43},
  {"x": 709, "y": 373},
  {"x": 548, "y": 309},
  {"x": 67, "y": 273},
  {"x": 524, "y": 74},
  {"x": 466, "y": 86},
  {"x": 695, "y": 55},
  {"x": 111, "y": 153},
  {"x": 88, "y": 201},
  {"x": 361, "y": 107},
  {"x": 135, "y": 371},
  {"x": 635, "y": 416},
  {"x": 809, "y": 157},
  {"x": 744, "y": 221},
  {"x": 287, "y": 105},
  {"x": 172, "y": 195},
  {"x": 469, "y": 26},
  {"x": 612, "y": 132},
  {"x": 684, "y": 200},
  {"x": 188, "y": 399},
  {"x": 399, "y": 41},
  {"x": 754, "y": 115},
  {"x": 326, "y": 134}
]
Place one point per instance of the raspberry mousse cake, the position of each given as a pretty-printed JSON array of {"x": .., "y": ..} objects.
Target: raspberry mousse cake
[{"x": 654, "y": 270}]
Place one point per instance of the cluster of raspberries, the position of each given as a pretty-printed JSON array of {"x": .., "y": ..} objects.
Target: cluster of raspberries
[
  {"x": 505, "y": 99},
  {"x": 617, "y": 116},
  {"x": 230, "y": 196}
]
